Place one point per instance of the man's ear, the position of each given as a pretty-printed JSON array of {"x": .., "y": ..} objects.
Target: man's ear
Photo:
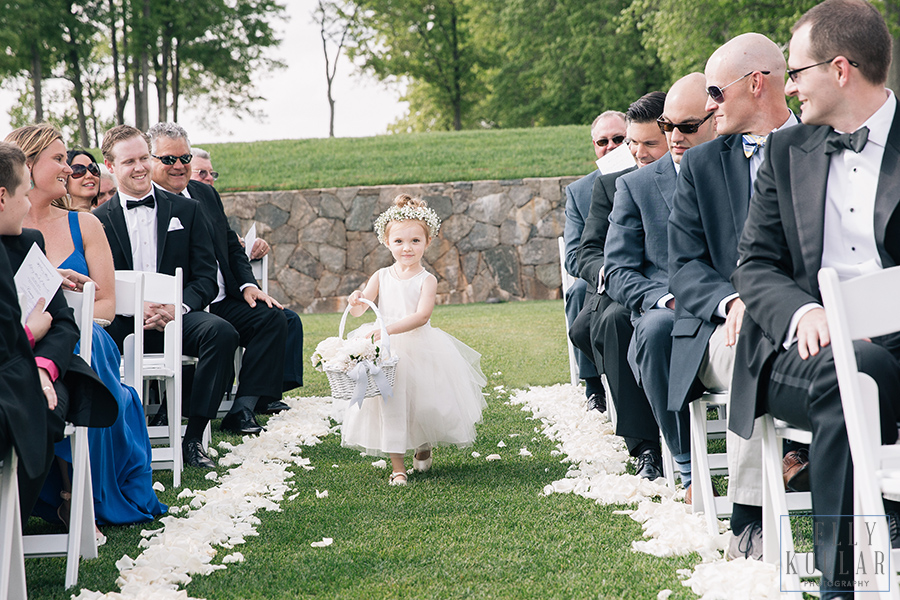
[
  {"x": 108, "y": 165},
  {"x": 4, "y": 195}
]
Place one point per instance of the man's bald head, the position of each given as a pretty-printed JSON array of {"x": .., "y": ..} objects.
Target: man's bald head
[
  {"x": 749, "y": 73},
  {"x": 685, "y": 107}
]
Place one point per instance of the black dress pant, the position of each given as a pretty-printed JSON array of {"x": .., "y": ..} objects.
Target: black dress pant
[{"x": 805, "y": 394}]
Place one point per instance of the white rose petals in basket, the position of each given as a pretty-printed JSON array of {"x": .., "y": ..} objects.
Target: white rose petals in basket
[{"x": 357, "y": 368}]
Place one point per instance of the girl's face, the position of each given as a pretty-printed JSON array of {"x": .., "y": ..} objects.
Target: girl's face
[
  {"x": 407, "y": 241},
  {"x": 50, "y": 171},
  {"x": 85, "y": 187}
]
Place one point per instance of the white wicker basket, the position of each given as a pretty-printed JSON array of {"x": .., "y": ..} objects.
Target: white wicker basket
[{"x": 342, "y": 386}]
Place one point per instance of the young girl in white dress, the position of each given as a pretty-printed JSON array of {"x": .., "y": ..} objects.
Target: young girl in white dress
[{"x": 437, "y": 396}]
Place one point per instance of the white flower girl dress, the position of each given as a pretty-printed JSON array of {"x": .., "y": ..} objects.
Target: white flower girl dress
[{"x": 437, "y": 388}]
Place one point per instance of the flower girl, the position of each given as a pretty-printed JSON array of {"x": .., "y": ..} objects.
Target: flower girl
[{"x": 437, "y": 389}]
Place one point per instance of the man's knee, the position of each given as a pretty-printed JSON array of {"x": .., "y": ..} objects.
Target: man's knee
[{"x": 655, "y": 328}]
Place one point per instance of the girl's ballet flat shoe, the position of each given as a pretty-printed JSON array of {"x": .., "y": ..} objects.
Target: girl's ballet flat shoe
[
  {"x": 397, "y": 479},
  {"x": 422, "y": 465}
]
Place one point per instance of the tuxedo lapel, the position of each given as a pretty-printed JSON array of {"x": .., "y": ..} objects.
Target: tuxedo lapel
[
  {"x": 120, "y": 229},
  {"x": 887, "y": 195},
  {"x": 163, "y": 214},
  {"x": 736, "y": 168},
  {"x": 809, "y": 180}
]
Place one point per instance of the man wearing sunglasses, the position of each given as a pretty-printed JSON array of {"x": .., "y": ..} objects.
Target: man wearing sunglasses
[
  {"x": 744, "y": 83},
  {"x": 603, "y": 328},
  {"x": 825, "y": 195},
  {"x": 607, "y": 133},
  {"x": 637, "y": 275},
  {"x": 259, "y": 319}
]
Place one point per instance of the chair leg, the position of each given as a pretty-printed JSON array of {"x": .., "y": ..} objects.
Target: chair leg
[
  {"x": 173, "y": 407},
  {"x": 668, "y": 464},
  {"x": 82, "y": 540},
  {"x": 12, "y": 556},
  {"x": 702, "y": 499}
]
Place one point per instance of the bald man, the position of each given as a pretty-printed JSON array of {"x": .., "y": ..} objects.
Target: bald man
[
  {"x": 637, "y": 266},
  {"x": 708, "y": 212}
]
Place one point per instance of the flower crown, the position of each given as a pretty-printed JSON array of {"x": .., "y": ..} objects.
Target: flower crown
[{"x": 407, "y": 213}]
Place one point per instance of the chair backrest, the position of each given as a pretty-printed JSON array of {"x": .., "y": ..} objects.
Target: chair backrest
[
  {"x": 83, "y": 305},
  {"x": 158, "y": 288},
  {"x": 130, "y": 301},
  {"x": 261, "y": 272},
  {"x": 567, "y": 280}
]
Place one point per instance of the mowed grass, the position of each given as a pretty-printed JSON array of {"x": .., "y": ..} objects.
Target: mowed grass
[
  {"x": 403, "y": 159},
  {"x": 466, "y": 529}
]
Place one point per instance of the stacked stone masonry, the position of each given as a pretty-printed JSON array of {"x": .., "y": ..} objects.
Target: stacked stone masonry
[{"x": 498, "y": 239}]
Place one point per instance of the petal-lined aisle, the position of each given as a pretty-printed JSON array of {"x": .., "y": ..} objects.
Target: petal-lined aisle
[{"x": 597, "y": 471}]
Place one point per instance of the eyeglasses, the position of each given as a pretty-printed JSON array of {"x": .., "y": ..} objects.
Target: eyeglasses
[
  {"x": 792, "y": 73},
  {"x": 169, "y": 159},
  {"x": 604, "y": 142},
  {"x": 78, "y": 171},
  {"x": 203, "y": 173},
  {"x": 685, "y": 128},
  {"x": 717, "y": 93}
]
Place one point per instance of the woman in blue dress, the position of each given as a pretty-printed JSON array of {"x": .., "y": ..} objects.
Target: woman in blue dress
[{"x": 120, "y": 455}]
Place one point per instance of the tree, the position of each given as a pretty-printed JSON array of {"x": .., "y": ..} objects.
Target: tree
[
  {"x": 335, "y": 20},
  {"x": 431, "y": 44}
]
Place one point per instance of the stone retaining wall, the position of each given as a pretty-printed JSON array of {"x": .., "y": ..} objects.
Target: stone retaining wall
[{"x": 497, "y": 240}]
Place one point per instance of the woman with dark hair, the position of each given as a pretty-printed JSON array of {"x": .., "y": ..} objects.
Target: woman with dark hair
[{"x": 83, "y": 183}]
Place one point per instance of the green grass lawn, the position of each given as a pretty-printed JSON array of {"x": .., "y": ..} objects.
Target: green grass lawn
[
  {"x": 467, "y": 529},
  {"x": 402, "y": 159}
]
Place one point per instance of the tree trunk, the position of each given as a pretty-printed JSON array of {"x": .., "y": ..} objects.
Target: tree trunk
[
  {"x": 176, "y": 80},
  {"x": 142, "y": 77},
  {"x": 78, "y": 93},
  {"x": 36, "y": 82},
  {"x": 162, "y": 74},
  {"x": 457, "y": 90},
  {"x": 117, "y": 84}
]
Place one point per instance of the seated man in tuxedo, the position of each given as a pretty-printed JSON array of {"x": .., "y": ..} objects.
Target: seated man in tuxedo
[
  {"x": 43, "y": 383},
  {"x": 607, "y": 133},
  {"x": 258, "y": 318},
  {"x": 825, "y": 196},
  {"x": 637, "y": 264},
  {"x": 603, "y": 327},
  {"x": 151, "y": 230},
  {"x": 202, "y": 172}
]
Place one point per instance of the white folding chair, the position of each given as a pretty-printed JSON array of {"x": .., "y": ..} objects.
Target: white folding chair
[
  {"x": 133, "y": 288},
  {"x": 865, "y": 308},
  {"x": 12, "y": 557},
  {"x": 80, "y": 539},
  {"x": 704, "y": 464},
  {"x": 260, "y": 268},
  {"x": 567, "y": 281}
]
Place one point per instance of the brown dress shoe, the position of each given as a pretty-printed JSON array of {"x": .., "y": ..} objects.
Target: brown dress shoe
[{"x": 795, "y": 465}]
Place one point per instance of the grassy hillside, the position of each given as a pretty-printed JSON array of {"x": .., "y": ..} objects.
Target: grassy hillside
[{"x": 399, "y": 159}]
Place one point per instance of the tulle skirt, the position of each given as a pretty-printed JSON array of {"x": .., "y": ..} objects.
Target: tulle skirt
[{"x": 436, "y": 399}]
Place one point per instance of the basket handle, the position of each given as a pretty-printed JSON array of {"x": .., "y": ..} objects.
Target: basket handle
[{"x": 385, "y": 338}]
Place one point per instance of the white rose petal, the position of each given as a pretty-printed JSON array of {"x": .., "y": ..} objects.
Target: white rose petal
[
  {"x": 380, "y": 464},
  {"x": 159, "y": 487},
  {"x": 492, "y": 457},
  {"x": 323, "y": 494},
  {"x": 502, "y": 444},
  {"x": 326, "y": 541},
  {"x": 524, "y": 452},
  {"x": 476, "y": 455},
  {"x": 233, "y": 558},
  {"x": 212, "y": 476}
]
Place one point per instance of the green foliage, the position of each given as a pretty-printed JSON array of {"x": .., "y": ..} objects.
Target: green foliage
[{"x": 399, "y": 159}]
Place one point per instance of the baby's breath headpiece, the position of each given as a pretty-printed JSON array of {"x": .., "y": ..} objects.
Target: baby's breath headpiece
[{"x": 407, "y": 213}]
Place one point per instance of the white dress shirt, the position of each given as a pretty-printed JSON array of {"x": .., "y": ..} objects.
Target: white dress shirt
[
  {"x": 848, "y": 243},
  {"x": 141, "y": 224}
]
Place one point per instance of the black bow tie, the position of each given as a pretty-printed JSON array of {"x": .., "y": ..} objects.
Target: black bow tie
[
  {"x": 856, "y": 141},
  {"x": 148, "y": 202}
]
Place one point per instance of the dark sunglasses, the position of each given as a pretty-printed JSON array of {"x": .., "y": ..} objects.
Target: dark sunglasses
[
  {"x": 792, "y": 73},
  {"x": 78, "y": 171},
  {"x": 204, "y": 174},
  {"x": 717, "y": 93},
  {"x": 685, "y": 128},
  {"x": 604, "y": 142},
  {"x": 169, "y": 159}
]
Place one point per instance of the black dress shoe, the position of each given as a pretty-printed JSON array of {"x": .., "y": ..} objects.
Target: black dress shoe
[
  {"x": 194, "y": 456},
  {"x": 161, "y": 418},
  {"x": 597, "y": 402},
  {"x": 241, "y": 422},
  {"x": 272, "y": 408},
  {"x": 649, "y": 464}
]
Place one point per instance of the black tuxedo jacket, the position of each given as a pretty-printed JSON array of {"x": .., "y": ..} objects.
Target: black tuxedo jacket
[
  {"x": 233, "y": 261},
  {"x": 781, "y": 251},
  {"x": 90, "y": 402},
  {"x": 596, "y": 226},
  {"x": 708, "y": 213},
  {"x": 182, "y": 241},
  {"x": 23, "y": 408}
]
